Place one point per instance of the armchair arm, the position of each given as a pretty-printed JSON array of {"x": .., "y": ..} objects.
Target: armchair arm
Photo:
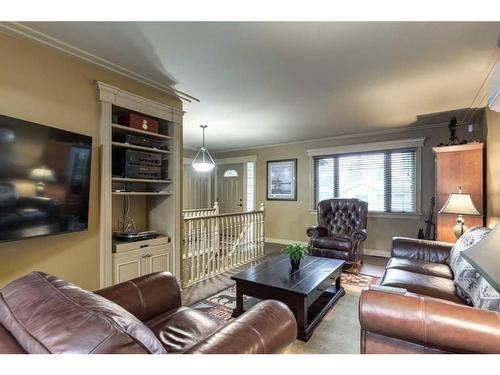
[
  {"x": 316, "y": 231},
  {"x": 433, "y": 323},
  {"x": 359, "y": 235},
  {"x": 147, "y": 296},
  {"x": 425, "y": 250},
  {"x": 267, "y": 328}
]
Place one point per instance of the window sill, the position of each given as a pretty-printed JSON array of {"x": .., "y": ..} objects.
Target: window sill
[{"x": 385, "y": 215}]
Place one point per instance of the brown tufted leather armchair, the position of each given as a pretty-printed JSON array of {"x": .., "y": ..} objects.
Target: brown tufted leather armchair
[{"x": 341, "y": 230}]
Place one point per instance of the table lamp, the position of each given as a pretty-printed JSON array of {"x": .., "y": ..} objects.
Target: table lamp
[
  {"x": 459, "y": 204},
  {"x": 485, "y": 257},
  {"x": 42, "y": 175}
]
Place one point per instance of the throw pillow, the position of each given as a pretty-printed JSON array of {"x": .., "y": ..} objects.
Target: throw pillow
[{"x": 470, "y": 285}]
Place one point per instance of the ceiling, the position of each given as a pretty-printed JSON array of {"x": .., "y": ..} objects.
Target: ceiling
[{"x": 266, "y": 83}]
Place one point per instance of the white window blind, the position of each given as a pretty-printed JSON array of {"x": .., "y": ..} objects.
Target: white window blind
[{"x": 384, "y": 179}]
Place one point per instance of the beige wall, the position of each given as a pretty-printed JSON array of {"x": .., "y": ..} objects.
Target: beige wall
[
  {"x": 289, "y": 220},
  {"x": 493, "y": 167},
  {"x": 42, "y": 85}
]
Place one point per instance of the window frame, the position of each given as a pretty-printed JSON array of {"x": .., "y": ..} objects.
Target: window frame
[
  {"x": 416, "y": 143},
  {"x": 235, "y": 174}
]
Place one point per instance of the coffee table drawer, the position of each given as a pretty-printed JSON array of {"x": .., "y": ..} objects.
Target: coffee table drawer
[{"x": 320, "y": 289}]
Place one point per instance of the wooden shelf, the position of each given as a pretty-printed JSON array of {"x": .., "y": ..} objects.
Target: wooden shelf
[
  {"x": 141, "y": 180},
  {"x": 142, "y": 148},
  {"x": 159, "y": 193},
  {"x": 154, "y": 204},
  {"x": 126, "y": 129}
]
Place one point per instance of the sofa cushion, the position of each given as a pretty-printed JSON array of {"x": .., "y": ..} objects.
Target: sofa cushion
[
  {"x": 183, "y": 327},
  {"x": 419, "y": 266},
  {"x": 49, "y": 315},
  {"x": 471, "y": 286},
  {"x": 342, "y": 244},
  {"x": 432, "y": 286}
]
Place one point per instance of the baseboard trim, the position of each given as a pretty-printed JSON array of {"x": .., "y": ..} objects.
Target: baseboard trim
[
  {"x": 377, "y": 253},
  {"x": 282, "y": 241},
  {"x": 371, "y": 252}
]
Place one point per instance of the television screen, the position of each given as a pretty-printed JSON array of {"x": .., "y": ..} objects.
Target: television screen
[{"x": 44, "y": 180}]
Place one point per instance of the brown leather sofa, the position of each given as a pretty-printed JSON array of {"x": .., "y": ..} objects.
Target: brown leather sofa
[
  {"x": 429, "y": 317},
  {"x": 40, "y": 313},
  {"x": 341, "y": 230}
]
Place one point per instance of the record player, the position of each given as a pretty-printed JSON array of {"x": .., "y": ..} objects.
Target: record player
[{"x": 135, "y": 236}]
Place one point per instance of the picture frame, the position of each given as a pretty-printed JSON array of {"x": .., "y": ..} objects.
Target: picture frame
[{"x": 281, "y": 180}]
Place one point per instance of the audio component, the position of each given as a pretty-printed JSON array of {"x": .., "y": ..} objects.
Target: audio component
[
  {"x": 140, "y": 141},
  {"x": 138, "y": 171},
  {"x": 137, "y": 157},
  {"x": 135, "y": 236}
]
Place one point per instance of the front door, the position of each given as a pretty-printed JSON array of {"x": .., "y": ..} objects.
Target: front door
[{"x": 230, "y": 187}]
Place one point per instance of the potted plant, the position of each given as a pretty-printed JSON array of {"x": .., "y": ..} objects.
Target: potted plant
[{"x": 295, "y": 252}]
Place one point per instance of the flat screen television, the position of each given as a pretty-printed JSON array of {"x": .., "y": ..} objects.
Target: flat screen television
[{"x": 44, "y": 180}]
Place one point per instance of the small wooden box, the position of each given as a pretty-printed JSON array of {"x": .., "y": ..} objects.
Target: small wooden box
[{"x": 139, "y": 122}]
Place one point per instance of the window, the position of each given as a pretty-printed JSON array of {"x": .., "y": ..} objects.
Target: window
[
  {"x": 231, "y": 173},
  {"x": 387, "y": 180},
  {"x": 250, "y": 185}
]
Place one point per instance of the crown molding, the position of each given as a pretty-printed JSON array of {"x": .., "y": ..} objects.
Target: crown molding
[
  {"x": 342, "y": 137},
  {"x": 20, "y": 30},
  {"x": 114, "y": 95}
]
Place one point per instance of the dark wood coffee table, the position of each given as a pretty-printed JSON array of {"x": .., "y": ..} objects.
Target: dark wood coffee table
[{"x": 309, "y": 292}]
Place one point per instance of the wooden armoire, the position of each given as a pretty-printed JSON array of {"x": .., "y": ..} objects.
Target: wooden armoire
[{"x": 458, "y": 166}]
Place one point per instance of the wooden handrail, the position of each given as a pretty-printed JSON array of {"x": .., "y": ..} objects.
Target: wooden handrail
[{"x": 223, "y": 215}]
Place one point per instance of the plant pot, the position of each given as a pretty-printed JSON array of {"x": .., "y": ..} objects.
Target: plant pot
[{"x": 295, "y": 264}]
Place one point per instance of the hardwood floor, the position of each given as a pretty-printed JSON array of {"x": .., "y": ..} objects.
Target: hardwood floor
[{"x": 373, "y": 266}]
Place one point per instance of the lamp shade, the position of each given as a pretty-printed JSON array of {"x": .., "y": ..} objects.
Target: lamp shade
[
  {"x": 42, "y": 174},
  {"x": 485, "y": 257},
  {"x": 203, "y": 162},
  {"x": 460, "y": 204}
]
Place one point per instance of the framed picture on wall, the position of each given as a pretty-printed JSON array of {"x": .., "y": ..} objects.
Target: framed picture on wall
[{"x": 282, "y": 180}]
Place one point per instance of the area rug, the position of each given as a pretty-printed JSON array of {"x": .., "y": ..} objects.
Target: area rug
[{"x": 222, "y": 303}]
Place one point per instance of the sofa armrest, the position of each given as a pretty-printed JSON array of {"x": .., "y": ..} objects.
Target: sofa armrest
[
  {"x": 267, "y": 328},
  {"x": 425, "y": 250},
  {"x": 316, "y": 231},
  {"x": 429, "y": 322},
  {"x": 146, "y": 296},
  {"x": 8, "y": 344}
]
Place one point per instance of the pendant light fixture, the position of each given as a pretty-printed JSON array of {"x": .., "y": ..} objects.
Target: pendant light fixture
[{"x": 203, "y": 162}]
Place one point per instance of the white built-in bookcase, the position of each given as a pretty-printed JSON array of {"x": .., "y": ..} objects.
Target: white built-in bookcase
[{"x": 158, "y": 203}]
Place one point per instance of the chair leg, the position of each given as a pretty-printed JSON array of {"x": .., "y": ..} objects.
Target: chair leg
[{"x": 356, "y": 268}]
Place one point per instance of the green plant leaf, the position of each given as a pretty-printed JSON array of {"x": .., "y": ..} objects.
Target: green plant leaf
[{"x": 295, "y": 251}]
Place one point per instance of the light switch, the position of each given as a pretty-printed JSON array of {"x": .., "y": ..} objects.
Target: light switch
[{"x": 471, "y": 128}]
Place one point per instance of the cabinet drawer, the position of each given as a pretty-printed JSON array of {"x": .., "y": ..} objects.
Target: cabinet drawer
[
  {"x": 119, "y": 247},
  {"x": 320, "y": 289}
]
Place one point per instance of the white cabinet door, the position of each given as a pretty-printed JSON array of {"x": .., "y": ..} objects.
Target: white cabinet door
[
  {"x": 157, "y": 259},
  {"x": 127, "y": 266},
  {"x": 131, "y": 264}
]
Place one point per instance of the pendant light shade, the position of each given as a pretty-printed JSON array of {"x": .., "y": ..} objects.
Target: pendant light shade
[{"x": 203, "y": 162}]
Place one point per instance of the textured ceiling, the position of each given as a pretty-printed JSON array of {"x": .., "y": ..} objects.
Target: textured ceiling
[{"x": 263, "y": 83}]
